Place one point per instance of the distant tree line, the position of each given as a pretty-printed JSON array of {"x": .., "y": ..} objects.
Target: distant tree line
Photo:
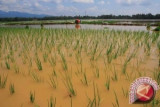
[{"x": 137, "y": 16}]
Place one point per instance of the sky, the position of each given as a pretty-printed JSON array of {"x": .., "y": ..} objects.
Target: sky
[{"x": 82, "y": 7}]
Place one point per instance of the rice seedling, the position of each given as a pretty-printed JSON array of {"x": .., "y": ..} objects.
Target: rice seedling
[
  {"x": 30, "y": 63},
  {"x": 82, "y": 54},
  {"x": 107, "y": 83},
  {"x": 105, "y": 63},
  {"x": 3, "y": 81},
  {"x": 36, "y": 77},
  {"x": 78, "y": 58},
  {"x": 38, "y": 63},
  {"x": 109, "y": 58},
  {"x": 92, "y": 64},
  {"x": 12, "y": 59},
  {"x": 76, "y": 46},
  {"x": 156, "y": 75},
  {"x": 126, "y": 62},
  {"x": 94, "y": 51},
  {"x": 52, "y": 102},
  {"x": 128, "y": 76},
  {"x": 148, "y": 48},
  {"x": 155, "y": 37},
  {"x": 115, "y": 55},
  {"x": 23, "y": 60},
  {"x": 95, "y": 102},
  {"x": 11, "y": 89},
  {"x": 81, "y": 67},
  {"x": 115, "y": 75},
  {"x": 79, "y": 70},
  {"x": 45, "y": 57},
  {"x": 139, "y": 73},
  {"x": 124, "y": 68},
  {"x": 84, "y": 80},
  {"x": 53, "y": 82},
  {"x": 16, "y": 69},
  {"x": 99, "y": 55},
  {"x": 69, "y": 85},
  {"x": 125, "y": 92},
  {"x": 155, "y": 102},
  {"x": 54, "y": 72},
  {"x": 109, "y": 50},
  {"x": 52, "y": 61},
  {"x": 96, "y": 72},
  {"x": 64, "y": 62},
  {"x": 117, "y": 101},
  {"x": 32, "y": 97},
  {"x": 7, "y": 65}
]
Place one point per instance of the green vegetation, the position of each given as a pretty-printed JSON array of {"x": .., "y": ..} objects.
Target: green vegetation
[
  {"x": 69, "y": 85},
  {"x": 36, "y": 77},
  {"x": 117, "y": 101},
  {"x": 84, "y": 80},
  {"x": 39, "y": 64},
  {"x": 125, "y": 92},
  {"x": 64, "y": 62},
  {"x": 95, "y": 102},
  {"x": 156, "y": 75},
  {"x": 52, "y": 102},
  {"x": 157, "y": 29},
  {"x": 148, "y": 27},
  {"x": 42, "y": 26},
  {"x": 16, "y": 69},
  {"x": 155, "y": 102},
  {"x": 32, "y": 97},
  {"x": 107, "y": 84},
  {"x": 3, "y": 81},
  {"x": 7, "y": 65},
  {"x": 73, "y": 59},
  {"x": 42, "y": 23},
  {"x": 98, "y": 22},
  {"x": 53, "y": 82},
  {"x": 27, "y": 27},
  {"x": 11, "y": 89}
]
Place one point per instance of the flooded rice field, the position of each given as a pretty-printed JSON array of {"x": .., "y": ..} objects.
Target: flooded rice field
[
  {"x": 89, "y": 67},
  {"x": 84, "y": 26}
]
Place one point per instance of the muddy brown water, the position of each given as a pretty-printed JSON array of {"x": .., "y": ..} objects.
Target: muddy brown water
[{"x": 24, "y": 82}]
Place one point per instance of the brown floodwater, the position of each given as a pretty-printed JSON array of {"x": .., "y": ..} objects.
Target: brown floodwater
[{"x": 140, "y": 65}]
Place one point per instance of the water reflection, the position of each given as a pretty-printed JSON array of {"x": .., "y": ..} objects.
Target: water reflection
[{"x": 77, "y": 26}]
